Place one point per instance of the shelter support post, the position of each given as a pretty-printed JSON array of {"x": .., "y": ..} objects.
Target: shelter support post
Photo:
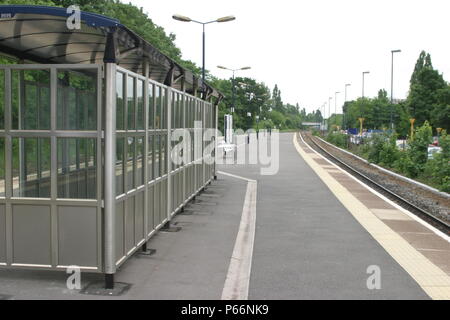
[{"x": 110, "y": 183}]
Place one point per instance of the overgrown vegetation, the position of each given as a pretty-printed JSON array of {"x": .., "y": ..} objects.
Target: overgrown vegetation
[
  {"x": 337, "y": 139},
  {"x": 413, "y": 162}
]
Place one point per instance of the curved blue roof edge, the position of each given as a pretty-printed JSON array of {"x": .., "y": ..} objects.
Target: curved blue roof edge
[{"x": 92, "y": 19}]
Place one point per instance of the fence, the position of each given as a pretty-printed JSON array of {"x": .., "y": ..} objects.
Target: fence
[{"x": 86, "y": 176}]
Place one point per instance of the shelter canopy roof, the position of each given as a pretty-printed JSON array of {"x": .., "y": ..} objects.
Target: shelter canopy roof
[{"x": 41, "y": 34}]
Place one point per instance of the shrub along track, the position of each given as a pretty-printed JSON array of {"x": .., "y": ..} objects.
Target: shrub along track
[{"x": 430, "y": 206}]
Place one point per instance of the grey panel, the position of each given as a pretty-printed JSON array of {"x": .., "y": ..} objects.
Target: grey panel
[
  {"x": 151, "y": 210},
  {"x": 120, "y": 250},
  {"x": 139, "y": 218},
  {"x": 129, "y": 224},
  {"x": 77, "y": 235},
  {"x": 164, "y": 201},
  {"x": 2, "y": 234},
  {"x": 31, "y": 234}
]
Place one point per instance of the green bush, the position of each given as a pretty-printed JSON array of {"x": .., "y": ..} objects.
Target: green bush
[
  {"x": 382, "y": 149},
  {"x": 389, "y": 153},
  {"x": 338, "y": 139},
  {"x": 437, "y": 170},
  {"x": 412, "y": 162},
  {"x": 375, "y": 146}
]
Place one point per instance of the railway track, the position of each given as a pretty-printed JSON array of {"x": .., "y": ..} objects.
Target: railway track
[{"x": 437, "y": 222}]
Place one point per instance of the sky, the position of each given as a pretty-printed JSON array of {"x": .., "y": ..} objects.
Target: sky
[{"x": 311, "y": 49}]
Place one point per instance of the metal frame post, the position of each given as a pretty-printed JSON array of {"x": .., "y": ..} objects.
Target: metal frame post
[
  {"x": 145, "y": 155},
  {"x": 168, "y": 153},
  {"x": 110, "y": 183}
]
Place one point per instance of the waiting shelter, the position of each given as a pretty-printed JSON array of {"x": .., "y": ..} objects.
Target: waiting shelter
[{"x": 86, "y": 122}]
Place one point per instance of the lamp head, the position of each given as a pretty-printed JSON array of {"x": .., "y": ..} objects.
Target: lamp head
[
  {"x": 179, "y": 17},
  {"x": 226, "y": 19}
]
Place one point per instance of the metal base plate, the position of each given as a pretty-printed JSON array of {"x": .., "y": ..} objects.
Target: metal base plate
[
  {"x": 197, "y": 212},
  {"x": 5, "y": 297},
  {"x": 148, "y": 252},
  {"x": 171, "y": 229},
  {"x": 98, "y": 289}
]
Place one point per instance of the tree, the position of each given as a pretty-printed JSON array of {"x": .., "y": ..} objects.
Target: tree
[
  {"x": 440, "y": 115},
  {"x": 425, "y": 91}
]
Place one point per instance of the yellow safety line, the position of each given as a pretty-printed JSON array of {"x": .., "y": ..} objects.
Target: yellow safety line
[{"x": 434, "y": 281}]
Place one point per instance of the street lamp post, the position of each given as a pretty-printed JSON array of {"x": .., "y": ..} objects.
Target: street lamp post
[
  {"x": 233, "y": 89},
  {"x": 392, "y": 85},
  {"x": 187, "y": 19},
  {"x": 363, "y": 75}
]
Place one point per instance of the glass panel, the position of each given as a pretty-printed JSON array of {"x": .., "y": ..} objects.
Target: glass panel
[
  {"x": 140, "y": 105},
  {"x": 131, "y": 103},
  {"x": 156, "y": 156},
  {"x": 150, "y": 158},
  {"x": 151, "y": 107},
  {"x": 30, "y": 99},
  {"x": 131, "y": 161},
  {"x": 2, "y": 167},
  {"x": 119, "y": 166},
  {"x": 158, "y": 108},
  {"x": 77, "y": 168},
  {"x": 31, "y": 167},
  {"x": 140, "y": 161},
  {"x": 2, "y": 99},
  {"x": 181, "y": 113},
  {"x": 163, "y": 155},
  {"x": 120, "y": 103},
  {"x": 163, "y": 109},
  {"x": 174, "y": 110},
  {"x": 77, "y": 100}
]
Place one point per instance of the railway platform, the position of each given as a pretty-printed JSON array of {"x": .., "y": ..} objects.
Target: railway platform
[{"x": 310, "y": 231}]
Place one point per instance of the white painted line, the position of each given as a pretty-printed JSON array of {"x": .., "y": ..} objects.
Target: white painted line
[
  {"x": 408, "y": 213},
  {"x": 237, "y": 283},
  {"x": 235, "y": 176}
]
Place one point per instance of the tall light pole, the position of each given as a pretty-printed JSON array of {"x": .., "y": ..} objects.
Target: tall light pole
[
  {"x": 335, "y": 107},
  {"x": 187, "y": 19},
  {"x": 363, "y": 76},
  {"x": 392, "y": 85},
  {"x": 233, "y": 83}
]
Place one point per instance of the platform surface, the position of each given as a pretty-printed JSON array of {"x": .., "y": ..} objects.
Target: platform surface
[{"x": 307, "y": 243}]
